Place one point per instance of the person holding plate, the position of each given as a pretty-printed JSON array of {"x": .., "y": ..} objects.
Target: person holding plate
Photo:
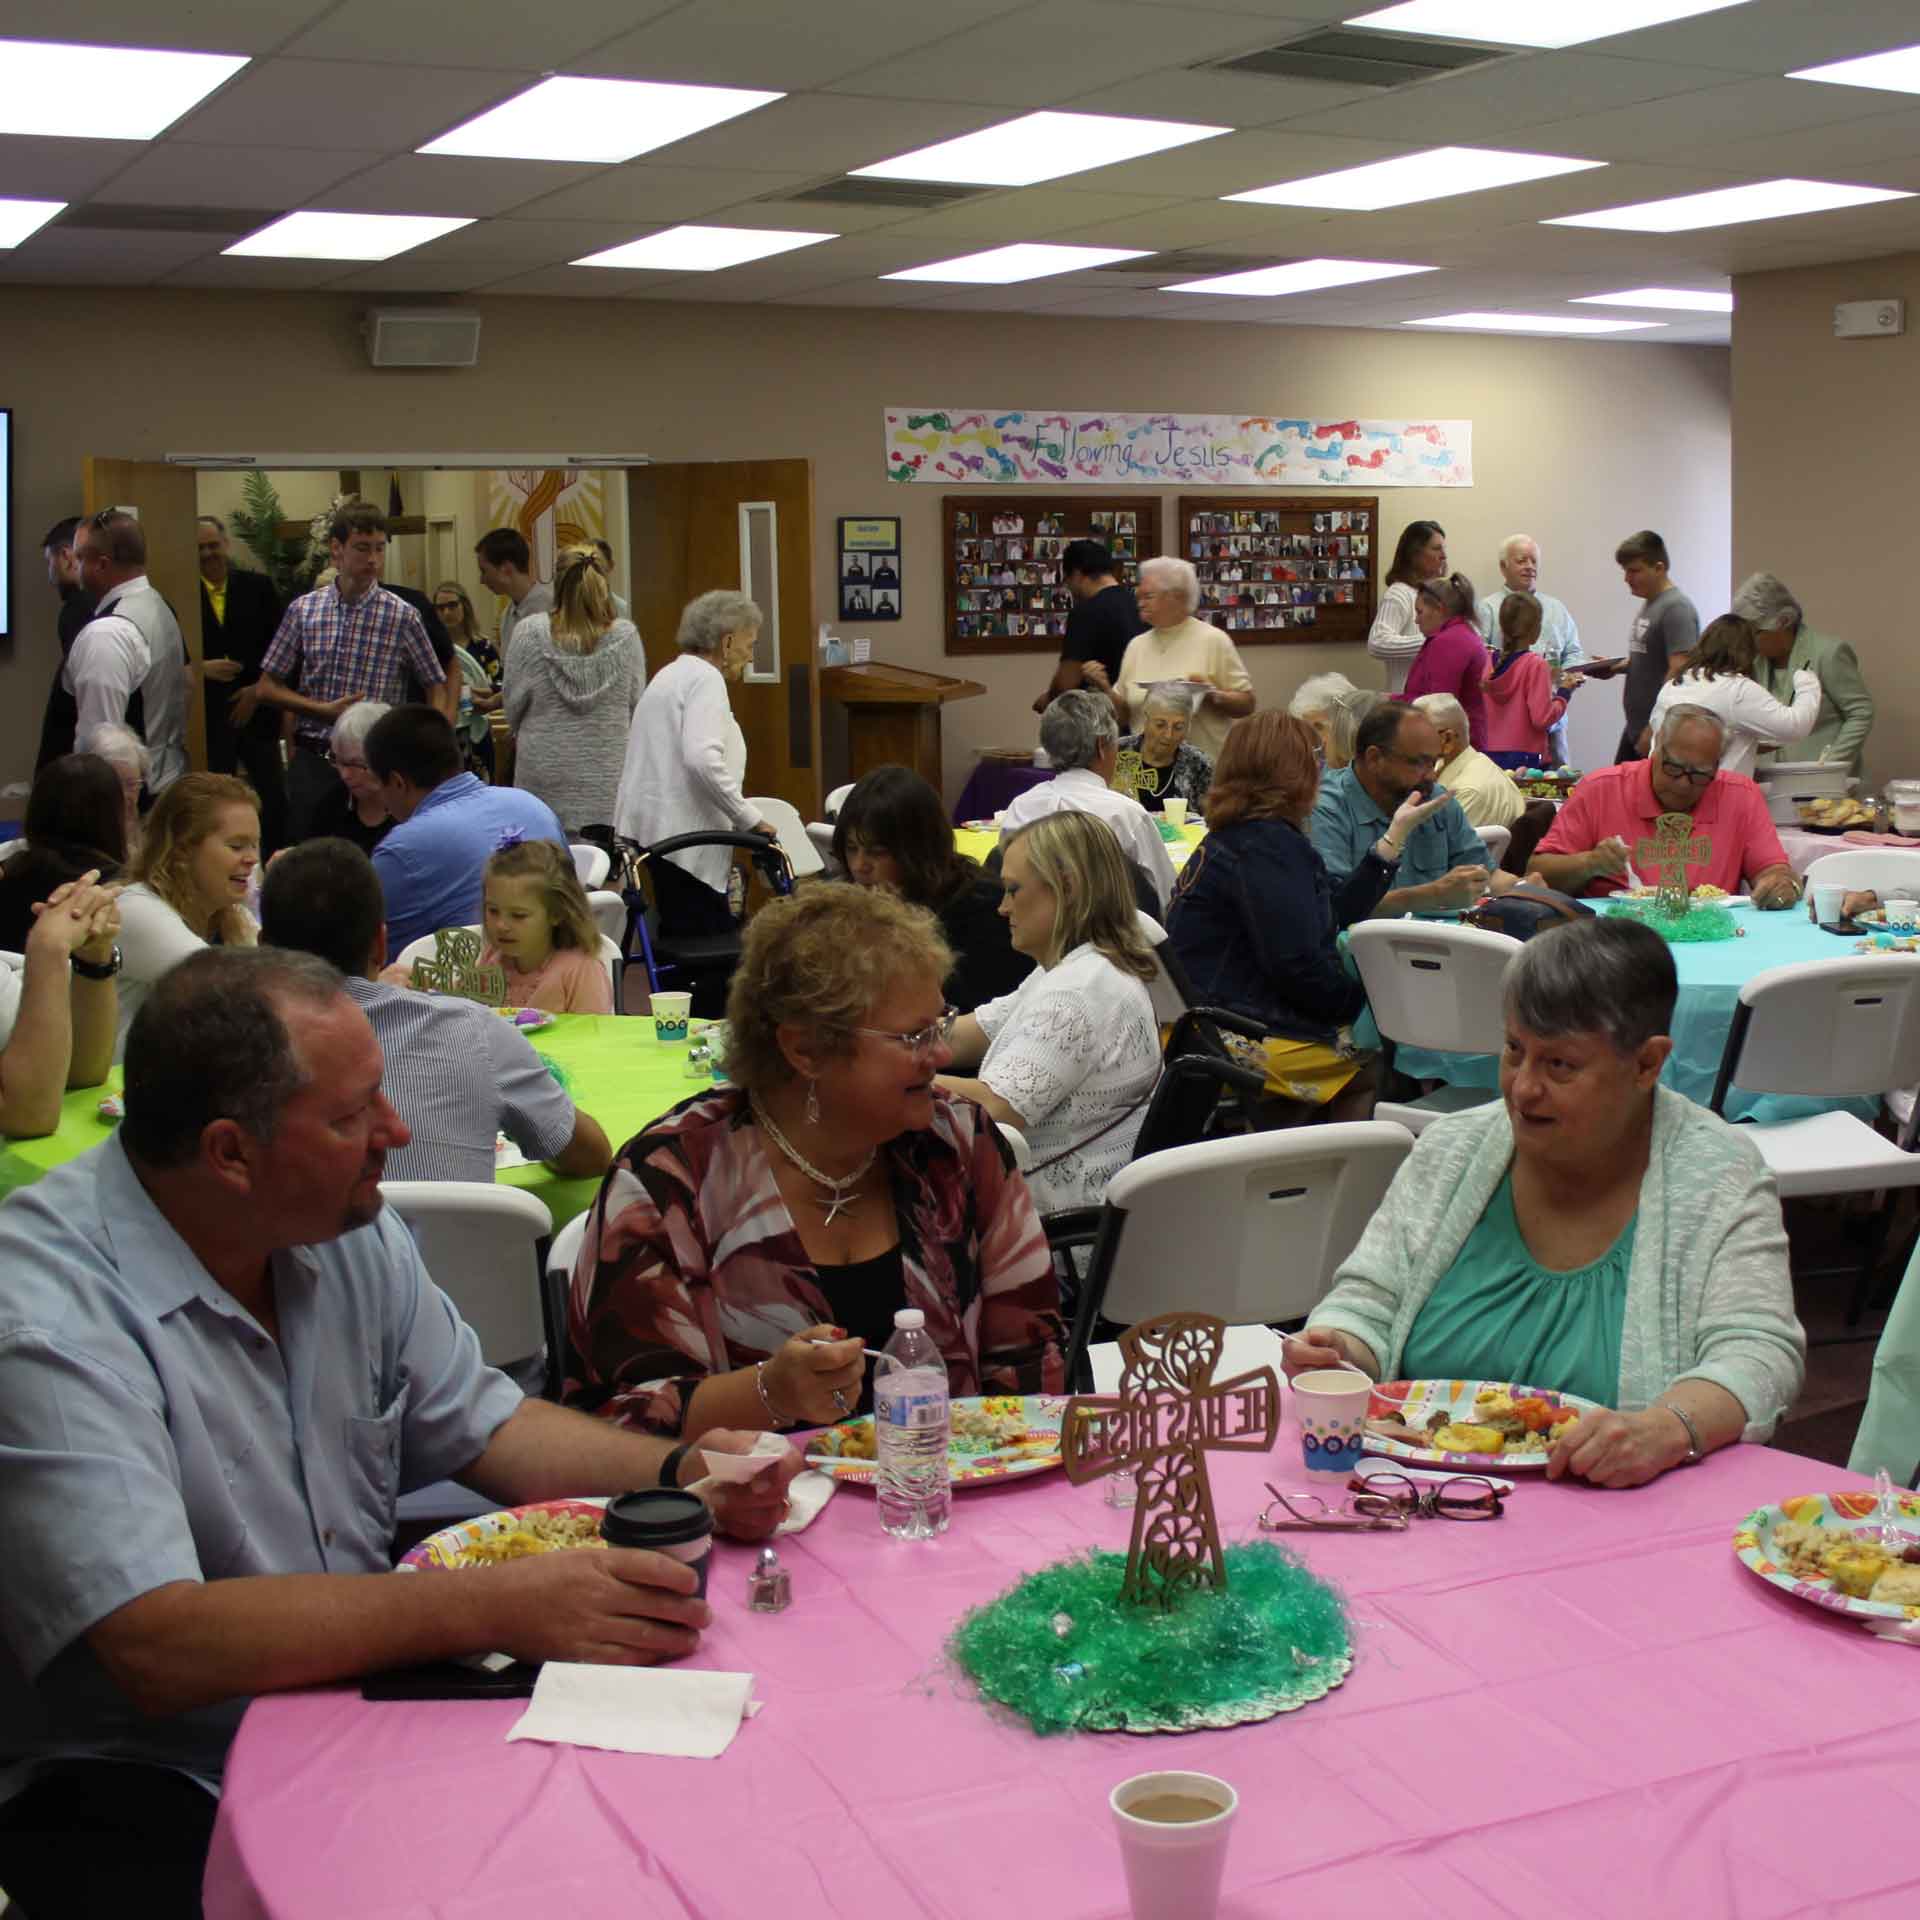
[
  {"x": 1591, "y": 1232},
  {"x": 1176, "y": 646}
]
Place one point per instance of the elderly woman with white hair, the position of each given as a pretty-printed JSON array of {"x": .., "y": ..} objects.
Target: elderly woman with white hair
[
  {"x": 126, "y": 753},
  {"x": 1787, "y": 647},
  {"x": 686, "y": 758},
  {"x": 361, "y": 816},
  {"x": 1166, "y": 766},
  {"x": 1176, "y": 646},
  {"x": 1333, "y": 707}
]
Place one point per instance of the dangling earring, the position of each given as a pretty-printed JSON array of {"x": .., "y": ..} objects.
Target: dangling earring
[{"x": 813, "y": 1103}]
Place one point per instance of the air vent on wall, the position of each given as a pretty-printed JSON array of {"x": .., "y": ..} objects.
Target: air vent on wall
[
  {"x": 137, "y": 219},
  {"x": 1381, "y": 60},
  {"x": 903, "y": 196},
  {"x": 422, "y": 336}
]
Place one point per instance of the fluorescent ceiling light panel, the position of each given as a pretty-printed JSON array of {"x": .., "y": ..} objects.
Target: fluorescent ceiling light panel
[
  {"x": 343, "y": 236},
  {"x": 21, "y": 218},
  {"x": 600, "y": 120},
  {"x": 1002, "y": 266},
  {"x": 1678, "y": 299},
  {"x": 1532, "y": 23},
  {"x": 1729, "y": 206},
  {"x": 703, "y": 249},
  {"x": 1433, "y": 175},
  {"x": 103, "y": 93},
  {"x": 1531, "y": 323},
  {"x": 1298, "y": 276},
  {"x": 1895, "y": 71},
  {"x": 1039, "y": 146}
]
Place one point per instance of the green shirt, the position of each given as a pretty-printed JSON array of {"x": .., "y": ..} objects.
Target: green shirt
[
  {"x": 1498, "y": 1314},
  {"x": 1846, "y": 707}
]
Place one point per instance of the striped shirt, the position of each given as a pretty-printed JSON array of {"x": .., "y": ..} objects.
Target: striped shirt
[
  {"x": 328, "y": 647},
  {"x": 457, "y": 1075}
]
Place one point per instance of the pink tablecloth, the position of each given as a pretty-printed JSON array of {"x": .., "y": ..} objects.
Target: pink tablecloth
[
  {"x": 1803, "y": 849},
  {"x": 1586, "y": 1708}
]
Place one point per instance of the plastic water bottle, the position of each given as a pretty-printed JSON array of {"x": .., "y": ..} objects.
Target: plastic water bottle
[{"x": 910, "y": 1424}]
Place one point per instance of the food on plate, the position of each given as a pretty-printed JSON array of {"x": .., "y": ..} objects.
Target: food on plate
[
  {"x": 1899, "y": 1586},
  {"x": 1851, "y": 1563},
  {"x": 1835, "y": 810},
  {"x": 1453, "y": 1439},
  {"x": 853, "y": 1441},
  {"x": 537, "y": 1532},
  {"x": 1500, "y": 1423},
  {"x": 1704, "y": 894}
]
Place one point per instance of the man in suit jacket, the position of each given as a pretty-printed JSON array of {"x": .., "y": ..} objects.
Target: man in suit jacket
[
  {"x": 62, "y": 719},
  {"x": 239, "y": 615}
]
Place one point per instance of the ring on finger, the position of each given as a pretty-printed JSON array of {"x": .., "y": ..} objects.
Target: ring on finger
[{"x": 839, "y": 1399}]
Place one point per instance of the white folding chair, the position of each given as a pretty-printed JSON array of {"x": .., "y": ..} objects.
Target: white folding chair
[
  {"x": 836, "y": 800},
  {"x": 1436, "y": 986},
  {"x": 820, "y": 832},
  {"x": 592, "y": 864},
  {"x": 615, "y": 963},
  {"x": 1828, "y": 1029},
  {"x": 1496, "y": 839},
  {"x": 791, "y": 831},
  {"x": 1242, "y": 1351},
  {"x": 609, "y": 914},
  {"x": 421, "y": 949},
  {"x": 1858, "y": 868},
  {"x": 1250, "y": 1228},
  {"x": 1169, "y": 1001}
]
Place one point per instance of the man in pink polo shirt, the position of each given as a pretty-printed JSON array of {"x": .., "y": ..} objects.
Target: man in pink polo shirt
[{"x": 1589, "y": 846}]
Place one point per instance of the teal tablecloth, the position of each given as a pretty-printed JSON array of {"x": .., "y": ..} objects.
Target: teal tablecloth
[{"x": 1711, "y": 976}]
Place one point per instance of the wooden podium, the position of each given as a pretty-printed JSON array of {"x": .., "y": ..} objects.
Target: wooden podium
[{"x": 893, "y": 715}]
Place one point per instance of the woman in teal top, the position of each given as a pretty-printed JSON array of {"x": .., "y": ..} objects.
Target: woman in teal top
[{"x": 1592, "y": 1232}]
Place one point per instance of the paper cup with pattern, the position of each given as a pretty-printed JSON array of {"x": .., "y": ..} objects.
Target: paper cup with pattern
[
  {"x": 1332, "y": 1405},
  {"x": 670, "y": 1012}
]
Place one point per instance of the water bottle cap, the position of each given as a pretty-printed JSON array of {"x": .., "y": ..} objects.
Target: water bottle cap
[{"x": 909, "y": 1319}]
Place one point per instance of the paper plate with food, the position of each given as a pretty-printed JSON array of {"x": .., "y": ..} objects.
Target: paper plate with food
[
  {"x": 1839, "y": 1551},
  {"x": 998, "y": 1436},
  {"x": 1700, "y": 896},
  {"x": 512, "y": 1534},
  {"x": 1469, "y": 1424}
]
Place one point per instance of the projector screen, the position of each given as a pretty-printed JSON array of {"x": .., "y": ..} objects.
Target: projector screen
[{"x": 6, "y": 523}]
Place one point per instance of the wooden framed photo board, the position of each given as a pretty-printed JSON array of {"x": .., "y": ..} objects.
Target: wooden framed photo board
[{"x": 1278, "y": 571}]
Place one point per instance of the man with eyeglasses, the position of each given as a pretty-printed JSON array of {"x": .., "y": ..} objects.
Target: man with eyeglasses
[{"x": 1590, "y": 848}]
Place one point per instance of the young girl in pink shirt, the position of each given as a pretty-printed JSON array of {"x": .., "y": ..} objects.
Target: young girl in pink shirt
[
  {"x": 541, "y": 932},
  {"x": 1522, "y": 702}
]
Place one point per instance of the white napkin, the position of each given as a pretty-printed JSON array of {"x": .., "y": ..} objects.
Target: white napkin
[
  {"x": 808, "y": 1493},
  {"x": 807, "y": 1497},
  {"x": 686, "y": 1713}
]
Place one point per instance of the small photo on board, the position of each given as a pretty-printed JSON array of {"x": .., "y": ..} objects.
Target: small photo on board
[
  {"x": 1101, "y": 523},
  {"x": 1199, "y": 549},
  {"x": 1051, "y": 523},
  {"x": 854, "y": 603},
  {"x": 1008, "y": 523},
  {"x": 853, "y": 566},
  {"x": 886, "y": 604},
  {"x": 1362, "y": 520},
  {"x": 1126, "y": 523},
  {"x": 1361, "y": 546},
  {"x": 963, "y": 523},
  {"x": 1123, "y": 546}
]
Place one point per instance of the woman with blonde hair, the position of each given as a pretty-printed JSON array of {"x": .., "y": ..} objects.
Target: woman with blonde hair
[
  {"x": 572, "y": 679},
  {"x": 190, "y": 883},
  {"x": 1071, "y": 1055},
  {"x": 540, "y": 931},
  {"x": 749, "y": 1243}
]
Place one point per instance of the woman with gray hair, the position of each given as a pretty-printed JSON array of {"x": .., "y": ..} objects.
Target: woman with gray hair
[
  {"x": 1591, "y": 1232},
  {"x": 1176, "y": 646},
  {"x": 1165, "y": 765},
  {"x": 126, "y": 753},
  {"x": 1333, "y": 707},
  {"x": 362, "y": 817},
  {"x": 1787, "y": 647},
  {"x": 686, "y": 758}
]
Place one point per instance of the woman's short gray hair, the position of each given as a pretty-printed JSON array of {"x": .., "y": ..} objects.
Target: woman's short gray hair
[
  {"x": 1764, "y": 602},
  {"x": 1598, "y": 974},
  {"x": 708, "y": 620},
  {"x": 1167, "y": 697},
  {"x": 353, "y": 726},
  {"x": 1173, "y": 572},
  {"x": 1334, "y": 698},
  {"x": 1683, "y": 713},
  {"x": 1444, "y": 711},
  {"x": 117, "y": 745},
  {"x": 1075, "y": 727}
]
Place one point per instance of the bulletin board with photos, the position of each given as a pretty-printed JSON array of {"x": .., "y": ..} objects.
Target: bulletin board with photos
[
  {"x": 1284, "y": 571},
  {"x": 1006, "y": 588}
]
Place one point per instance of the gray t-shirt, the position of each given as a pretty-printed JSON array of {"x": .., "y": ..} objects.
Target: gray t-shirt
[{"x": 1668, "y": 624}]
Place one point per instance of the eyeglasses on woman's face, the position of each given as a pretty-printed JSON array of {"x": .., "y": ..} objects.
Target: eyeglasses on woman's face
[{"x": 920, "y": 1039}]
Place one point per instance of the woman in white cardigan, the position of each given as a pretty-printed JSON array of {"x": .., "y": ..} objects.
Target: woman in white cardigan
[
  {"x": 1717, "y": 678},
  {"x": 1593, "y": 1232},
  {"x": 1395, "y": 636}
]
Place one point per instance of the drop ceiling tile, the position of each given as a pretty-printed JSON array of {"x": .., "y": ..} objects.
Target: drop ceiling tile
[
  {"x": 862, "y": 293},
  {"x": 1058, "y": 49},
  {"x": 408, "y": 276},
  {"x": 645, "y": 195},
  {"x": 1031, "y": 296},
  {"x": 1201, "y": 223},
  {"x": 246, "y": 271},
  {"x": 1856, "y": 150},
  {"x": 173, "y": 174},
  {"x": 1216, "y": 99},
  {"x": 1235, "y": 163},
  {"x": 35, "y": 169},
  {"x": 508, "y": 246},
  {"x": 140, "y": 256},
  {"x": 478, "y": 33},
  {"x": 593, "y": 283},
  {"x": 778, "y": 43},
  {"x": 341, "y": 104},
  {"x": 1774, "y": 36},
  {"x": 451, "y": 184},
  {"x": 210, "y": 26},
  {"x": 1698, "y": 121},
  {"x": 1023, "y": 213}
]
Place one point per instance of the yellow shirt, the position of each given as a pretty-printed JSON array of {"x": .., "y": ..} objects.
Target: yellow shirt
[
  {"x": 1487, "y": 796},
  {"x": 1191, "y": 651},
  {"x": 217, "y": 596}
]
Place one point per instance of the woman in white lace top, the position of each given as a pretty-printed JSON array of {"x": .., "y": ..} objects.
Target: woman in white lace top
[{"x": 1071, "y": 1055}]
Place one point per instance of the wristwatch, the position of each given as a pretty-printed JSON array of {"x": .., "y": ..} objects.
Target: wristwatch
[
  {"x": 97, "y": 969},
  {"x": 670, "y": 1466}
]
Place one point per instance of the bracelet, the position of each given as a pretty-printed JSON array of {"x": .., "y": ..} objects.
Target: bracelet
[
  {"x": 760, "y": 1387},
  {"x": 1694, "y": 1452},
  {"x": 1386, "y": 851},
  {"x": 670, "y": 1466}
]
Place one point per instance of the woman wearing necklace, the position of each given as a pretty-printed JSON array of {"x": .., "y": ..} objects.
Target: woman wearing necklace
[{"x": 750, "y": 1243}]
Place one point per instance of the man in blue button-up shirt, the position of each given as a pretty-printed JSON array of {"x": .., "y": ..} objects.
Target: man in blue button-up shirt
[
  {"x": 221, "y": 1364},
  {"x": 431, "y": 865}
]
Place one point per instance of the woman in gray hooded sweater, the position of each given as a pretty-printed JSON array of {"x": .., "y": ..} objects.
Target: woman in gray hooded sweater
[{"x": 572, "y": 678}]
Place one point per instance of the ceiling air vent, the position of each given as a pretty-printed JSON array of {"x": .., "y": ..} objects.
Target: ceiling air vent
[
  {"x": 901, "y": 196},
  {"x": 137, "y": 219},
  {"x": 1381, "y": 60}
]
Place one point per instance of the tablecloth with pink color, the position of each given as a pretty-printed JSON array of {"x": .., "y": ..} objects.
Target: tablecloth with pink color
[
  {"x": 1803, "y": 849},
  {"x": 1586, "y": 1708}
]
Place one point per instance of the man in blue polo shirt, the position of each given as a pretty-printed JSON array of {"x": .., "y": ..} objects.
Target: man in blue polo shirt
[
  {"x": 451, "y": 823},
  {"x": 1444, "y": 864}
]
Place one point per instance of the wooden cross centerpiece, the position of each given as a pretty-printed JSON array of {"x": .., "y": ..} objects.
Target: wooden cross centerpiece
[
  {"x": 1673, "y": 848},
  {"x": 455, "y": 969},
  {"x": 1168, "y": 1416},
  {"x": 1130, "y": 775}
]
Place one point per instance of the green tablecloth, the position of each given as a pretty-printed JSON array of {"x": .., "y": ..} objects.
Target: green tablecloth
[
  {"x": 978, "y": 845},
  {"x": 616, "y": 1070}
]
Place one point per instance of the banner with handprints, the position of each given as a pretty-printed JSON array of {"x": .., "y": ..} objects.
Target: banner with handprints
[{"x": 972, "y": 445}]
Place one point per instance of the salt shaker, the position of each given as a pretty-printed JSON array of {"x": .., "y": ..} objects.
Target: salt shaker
[{"x": 769, "y": 1585}]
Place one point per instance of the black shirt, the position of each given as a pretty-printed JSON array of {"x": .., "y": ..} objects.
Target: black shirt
[
  {"x": 863, "y": 1296},
  {"x": 1100, "y": 626},
  {"x": 62, "y": 717},
  {"x": 984, "y": 963}
]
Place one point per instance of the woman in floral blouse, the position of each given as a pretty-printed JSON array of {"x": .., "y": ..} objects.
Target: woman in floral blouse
[{"x": 751, "y": 1242}]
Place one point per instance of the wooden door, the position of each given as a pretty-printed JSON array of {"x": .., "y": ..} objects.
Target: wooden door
[
  {"x": 697, "y": 525},
  {"x": 165, "y": 499}
]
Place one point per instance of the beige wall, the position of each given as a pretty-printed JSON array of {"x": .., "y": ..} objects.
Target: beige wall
[
  {"x": 1576, "y": 443},
  {"x": 1823, "y": 480}
]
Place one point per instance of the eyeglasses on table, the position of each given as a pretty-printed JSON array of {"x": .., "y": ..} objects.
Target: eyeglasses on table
[{"x": 1384, "y": 1503}]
